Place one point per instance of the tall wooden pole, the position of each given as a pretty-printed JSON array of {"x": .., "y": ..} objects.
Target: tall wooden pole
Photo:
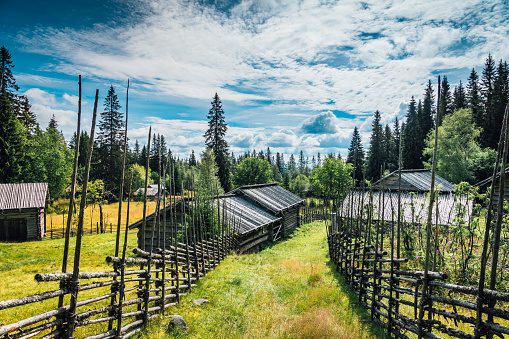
[
  {"x": 75, "y": 283},
  {"x": 489, "y": 214},
  {"x": 424, "y": 298},
  {"x": 121, "y": 193},
  {"x": 73, "y": 191}
]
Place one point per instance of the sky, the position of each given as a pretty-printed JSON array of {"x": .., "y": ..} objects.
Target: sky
[{"x": 292, "y": 75}]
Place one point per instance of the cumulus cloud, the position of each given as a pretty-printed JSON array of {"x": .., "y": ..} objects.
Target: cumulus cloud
[
  {"x": 285, "y": 58},
  {"x": 322, "y": 123}
]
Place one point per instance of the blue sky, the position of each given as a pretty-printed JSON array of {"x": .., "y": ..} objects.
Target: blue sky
[{"x": 292, "y": 75}]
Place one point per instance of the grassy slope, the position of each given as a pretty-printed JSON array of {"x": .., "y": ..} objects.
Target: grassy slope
[
  {"x": 289, "y": 290},
  {"x": 21, "y": 261}
]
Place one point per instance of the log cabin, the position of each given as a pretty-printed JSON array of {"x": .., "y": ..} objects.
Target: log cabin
[{"x": 23, "y": 211}]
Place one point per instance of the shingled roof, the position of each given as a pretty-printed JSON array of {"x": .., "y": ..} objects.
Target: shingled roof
[
  {"x": 24, "y": 195},
  {"x": 271, "y": 196},
  {"x": 414, "y": 180}
]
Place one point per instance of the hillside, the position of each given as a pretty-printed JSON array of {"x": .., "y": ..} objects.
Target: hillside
[{"x": 289, "y": 290}]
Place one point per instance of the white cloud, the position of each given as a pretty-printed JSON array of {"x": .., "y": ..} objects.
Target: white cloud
[{"x": 284, "y": 60}]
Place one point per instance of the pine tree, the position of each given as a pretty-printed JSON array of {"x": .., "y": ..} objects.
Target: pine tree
[
  {"x": 355, "y": 155},
  {"x": 498, "y": 104},
  {"x": 375, "y": 160},
  {"x": 7, "y": 81},
  {"x": 53, "y": 123},
  {"x": 12, "y": 133},
  {"x": 192, "y": 159},
  {"x": 269, "y": 156},
  {"x": 110, "y": 140},
  {"x": 474, "y": 98},
  {"x": 410, "y": 134},
  {"x": 215, "y": 139},
  {"x": 136, "y": 153},
  {"x": 459, "y": 97},
  {"x": 425, "y": 117},
  {"x": 319, "y": 160},
  {"x": 445, "y": 101},
  {"x": 390, "y": 157},
  {"x": 487, "y": 86},
  {"x": 25, "y": 115}
]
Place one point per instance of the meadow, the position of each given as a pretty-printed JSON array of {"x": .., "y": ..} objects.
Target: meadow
[{"x": 288, "y": 290}]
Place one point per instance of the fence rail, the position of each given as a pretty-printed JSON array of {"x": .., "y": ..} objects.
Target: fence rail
[
  {"x": 145, "y": 293},
  {"x": 394, "y": 293}
]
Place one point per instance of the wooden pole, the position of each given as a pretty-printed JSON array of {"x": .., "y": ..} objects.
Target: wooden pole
[
  {"x": 73, "y": 190},
  {"x": 122, "y": 174},
  {"x": 77, "y": 253},
  {"x": 489, "y": 214},
  {"x": 122, "y": 265},
  {"x": 424, "y": 298}
]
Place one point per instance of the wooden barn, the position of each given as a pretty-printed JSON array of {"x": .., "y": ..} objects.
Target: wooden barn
[
  {"x": 275, "y": 200},
  {"x": 413, "y": 181},
  {"x": 258, "y": 214},
  {"x": 23, "y": 211},
  {"x": 486, "y": 183},
  {"x": 415, "y": 187}
]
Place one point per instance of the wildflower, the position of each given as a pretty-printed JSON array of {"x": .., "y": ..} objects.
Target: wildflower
[
  {"x": 454, "y": 257},
  {"x": 449, "y": 242},
  {"x": 438, "y": 251}
]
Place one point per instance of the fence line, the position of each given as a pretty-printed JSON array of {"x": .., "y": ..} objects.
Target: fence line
[{"x": 392, "y": 290}]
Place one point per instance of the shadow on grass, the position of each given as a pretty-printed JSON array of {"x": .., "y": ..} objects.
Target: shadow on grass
[{"x": 353, "y": 299}]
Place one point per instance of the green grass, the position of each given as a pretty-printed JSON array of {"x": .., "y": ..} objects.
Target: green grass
[
  {"x": 288, "y": 290},
  {"x": 21, "y": 261}
]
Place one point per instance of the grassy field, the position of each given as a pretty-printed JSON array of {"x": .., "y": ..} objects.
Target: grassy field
[
  {"x": 21, "y": 261},
  {"x": 92, "y": 215},
  {"x": 289, "y": 290}
]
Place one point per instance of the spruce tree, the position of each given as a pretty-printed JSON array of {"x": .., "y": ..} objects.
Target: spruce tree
[
  {"x": 12, "y": 133},
  {"x": 389, "y": 153},
  {"x": 445, "y": 101},
  {"x": 459, "y": 97},
  {"x": 136, "y": 153},
  {"x": 215, "y": 139},
  {"x": 499, "y": 102},
  {"x": 474, "y": 98},
  {"x": 375, "y": 158},
  {"x": 355, "y": 155},
  {"x": 192, "y": 159},
  {"x": 411, "y": 152},
  {"x": 110, "y": 141},
  {"x": 487, "y": 86}
]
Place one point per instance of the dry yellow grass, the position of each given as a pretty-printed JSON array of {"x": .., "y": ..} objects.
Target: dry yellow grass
[{"x": 92, "y": 216}]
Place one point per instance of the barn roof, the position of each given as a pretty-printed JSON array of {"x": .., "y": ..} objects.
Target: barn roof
[
  {"x": 23, "y": 195},
  {"x": 243, "y": 215},
  {"x": 414, "y": 206},
  {"x": 271, "y": 196},
  {"x": 416, "y": 180}
]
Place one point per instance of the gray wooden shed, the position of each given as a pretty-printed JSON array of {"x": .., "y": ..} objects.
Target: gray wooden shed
[
  {"x": 414, "y": 181},
  {"x": 23, "y": 211},
  {"x": 275, "y": 200}
]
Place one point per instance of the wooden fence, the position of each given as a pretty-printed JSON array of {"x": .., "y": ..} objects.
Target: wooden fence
[
  {"x": 394, "y": 294},
  {"x": 144, "y": 292}
]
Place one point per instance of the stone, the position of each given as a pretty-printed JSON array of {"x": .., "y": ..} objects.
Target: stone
[
  {"x": 177, "y": 321},
  {"x": 200, "y": 301}
]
